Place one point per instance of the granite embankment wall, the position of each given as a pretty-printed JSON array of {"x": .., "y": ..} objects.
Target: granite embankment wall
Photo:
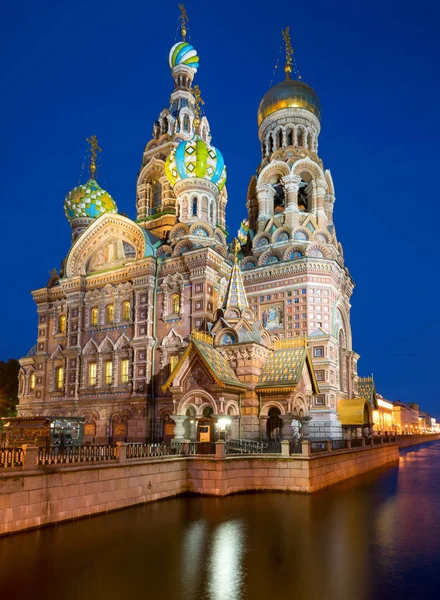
[
  {"x": 403, "y": 441},
  {"x": 51, "y": 494}
]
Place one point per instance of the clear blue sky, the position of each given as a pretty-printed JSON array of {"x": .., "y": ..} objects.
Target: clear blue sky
[{"x": 72, "y": 69}]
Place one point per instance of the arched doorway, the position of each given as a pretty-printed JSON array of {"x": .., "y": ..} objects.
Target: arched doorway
[
  {"x": 167, "y": 428},
  {"x": 274, "y": 424},
  {"x": 205, "y": 431},
  {"x": 119, "y": 428},
  {"x": 191, "y": 424}
]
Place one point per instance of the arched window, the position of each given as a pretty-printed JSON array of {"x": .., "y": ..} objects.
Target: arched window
[
  {"x": 279, "y": 198},
  {"x": 94, "y": 316},
  {"x": 310, "y": 142},
  {"x": 157, "y": 194},
  {"x": 300, "y": 137},
  {"x": 280, "y": 139},
  {"x": 186, "y": 123},
  {"x": 126, "y": 309},
  {"x": 342, "y": 382},
  {"x": 110, "y": 313},
  {"x": 211, "y": 212},
  {"x": 62, "y": 324},
  {"x": 32, "y": 382},
  {"x": 59, "y": 378},
  {"x": 175, "y": 304},
  {"x": 289, "y": 137},
  {"x": 124, "y": 370},
  {"x": 264, "y": 150},
  {"x": 195, "y": 206},
  {"x": 108, "y": 372},
  {"x": 92, "y": 373}
]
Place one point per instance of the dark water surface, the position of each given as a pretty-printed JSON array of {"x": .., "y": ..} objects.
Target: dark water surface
[{"x": 373, "y": 537}]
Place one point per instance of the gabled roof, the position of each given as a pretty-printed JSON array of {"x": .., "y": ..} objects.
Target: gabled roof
[
  {"x": 317, "y": 333},
  {"x": 283, "y": 369},
  {"x": 367, "y": 389},
  {"x": 211, "y": 358},
  {"x": 235, "y": 296}
]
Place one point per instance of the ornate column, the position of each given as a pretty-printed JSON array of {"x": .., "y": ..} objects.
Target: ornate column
[
  {"x": 287, "y": 429},
  {"x": 265, "y": 196},
  {"x": 329, "y": 201},
  {"x": 179, "y": 429},
  {"x": 319, "y": 191},
  {"x": 291, "y": 186}
]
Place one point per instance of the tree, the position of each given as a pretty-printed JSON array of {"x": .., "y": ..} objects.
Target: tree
[{"x": 9, "y": 387}]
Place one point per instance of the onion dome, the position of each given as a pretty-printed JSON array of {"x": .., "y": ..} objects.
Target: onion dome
[
  {"x": 88, "y": 200},
  {"x": 196, "y": 158},
  {"x": 183, "y": 53},
  {"x": 291, "y": 93}
]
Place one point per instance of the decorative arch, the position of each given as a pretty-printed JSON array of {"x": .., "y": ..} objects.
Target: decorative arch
[
  {"x": 178, "y": 231},
  {"x": 268, "y": 404},
  {"x": 183, "y": 246},
  {"x": 294, "y": 252},
  {"x": 301, "y": 234},
  {"x": 329, "y": 179},
  {"x": 307, "y": 165},
  {"x": 106, "y": 346},
  {"x": 189, "y": 400},
  {"x": 248, "y": 263},
  {"x": 317, "y": 251},
  {"x": 281, "y": 235},
  {"x": 122, "y": 342},
  {"x": 232, "y": 404},
  {"x": 269, "y": 257},
  {"x": 273, "y": 172},
  {"x": 259, "y": 240},
  {"x": 345, "y": 324},
  {"x": 200, "y": 225},
  {"x": 107, "y": 226}
]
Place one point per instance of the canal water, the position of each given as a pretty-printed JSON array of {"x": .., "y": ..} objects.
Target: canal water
[{"x": 373, "y": 537}]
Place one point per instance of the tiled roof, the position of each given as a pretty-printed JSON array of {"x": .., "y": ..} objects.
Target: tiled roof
[
  {"x": 235, "y": 294},
  {"x": 283, "y": 368},
  {"x": 316, "y": 333},
  {"x": 217, "y": 363},
  {"x": 367, "y": 389}
]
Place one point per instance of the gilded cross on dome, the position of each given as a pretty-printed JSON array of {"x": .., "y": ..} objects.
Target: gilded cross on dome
[
  {"x": 94, "y": 149},
  {"x": 289, "y": 51},
  {"x": 198, "y": 102},
  {"x": 183, "y": 21}
]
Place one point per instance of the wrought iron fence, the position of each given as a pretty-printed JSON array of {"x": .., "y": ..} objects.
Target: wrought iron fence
[
  {"x": 253, "y": 447},
  {"x": 356, "y": 442},
  {"x": 11, "y": 457},
  {"x": 318, "y": 446},
  {"x": 201, "y": 448},
  {"x": 153, "y": 450},
  {"x": 295, "y": 447},
  {"x": 339, "y": 444},
  {"x": 76, "y": 454}
]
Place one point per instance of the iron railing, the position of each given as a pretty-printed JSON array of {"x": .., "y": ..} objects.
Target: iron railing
[
  {"x": 295, "y": 447},
  {"x": 76, "y": 454},
  {"x": 318, "y": 446},
  {"x": 339, "y": 444},
  {"x": 356, "y": 442},
  {"x": 253, "y": 447},
  {"x": 11, "y": 457},
  {"x": 201, "y": 448}
]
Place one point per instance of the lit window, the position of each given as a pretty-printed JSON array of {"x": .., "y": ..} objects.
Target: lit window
[
  {"x": 108, "y": 372},
  {"x": 303, "y": 291},
  {"x": 173, "y": 362},
  {"x": 62, "y": 324},
  {"x": 124, "y": 370},
  {"x": 94, "y": 316},
  {"x": 194, "y": 207},
  {"x": 32, "y": 382},
  {"x": 59, "y": 378},
  {"x": 92, "y": 373},
  {"x": 126, "y": 311},
  {"x": 110, "y": 313},
  {"x": 175, "y": 304}
]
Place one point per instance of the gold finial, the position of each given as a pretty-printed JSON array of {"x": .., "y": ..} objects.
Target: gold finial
[
  {"x": 289, "y": 51},
  {"x": 198, "y": 102},
  {"x": 202, "y": 336},
  {"x": 183, "y": 21},
  {"x": 94, "y": 149},
  {"x": 236, "y": 249}
]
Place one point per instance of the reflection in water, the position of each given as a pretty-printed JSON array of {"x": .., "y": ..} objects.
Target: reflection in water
[
  {"x": 226, "y": 577},
  {"x": 370, "y": 538}
]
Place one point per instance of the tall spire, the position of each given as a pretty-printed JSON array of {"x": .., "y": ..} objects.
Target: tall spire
[
  {"x": 235, "y": 296},
  {"x": 198, "y": 101},
  {"x": 94, "y": 149}
]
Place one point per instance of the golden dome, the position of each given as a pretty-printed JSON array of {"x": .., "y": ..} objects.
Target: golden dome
[{"x": 291, "y": 93}]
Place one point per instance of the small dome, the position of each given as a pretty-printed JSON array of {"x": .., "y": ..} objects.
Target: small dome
[
  {"x": 196, "y": 158},
  {"x": 291, "y": 93},
  {"x": 183, "y": 53},
  {"x": 88, "y": 200}
]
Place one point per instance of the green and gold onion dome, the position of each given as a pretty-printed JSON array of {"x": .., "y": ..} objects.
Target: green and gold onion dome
[
  {"x": 183, "y": 53},
  {"x": 196, "y": 158},
  {"x": 291, "y": 93},
  {"x": 88, "y": 200}
]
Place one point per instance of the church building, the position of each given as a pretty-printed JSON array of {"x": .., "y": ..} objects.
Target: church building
[{"x": 157, "y": 328}]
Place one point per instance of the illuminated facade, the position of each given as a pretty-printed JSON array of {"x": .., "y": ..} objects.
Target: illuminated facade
[{"x": 272, "y": 313}]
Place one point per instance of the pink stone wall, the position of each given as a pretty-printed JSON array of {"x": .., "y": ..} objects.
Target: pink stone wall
[
  {"x": 38, "y": 497},
  {"x": 404, "y": 441}
]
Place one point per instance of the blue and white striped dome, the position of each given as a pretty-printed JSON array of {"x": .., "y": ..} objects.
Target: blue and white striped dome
[{"x": 183, "y": 53}]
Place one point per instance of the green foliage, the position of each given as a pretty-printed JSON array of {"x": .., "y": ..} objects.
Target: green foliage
[{"x": 9, "y": 387}]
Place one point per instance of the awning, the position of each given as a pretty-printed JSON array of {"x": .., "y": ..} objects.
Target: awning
[{"x": 354, "y": 412}]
